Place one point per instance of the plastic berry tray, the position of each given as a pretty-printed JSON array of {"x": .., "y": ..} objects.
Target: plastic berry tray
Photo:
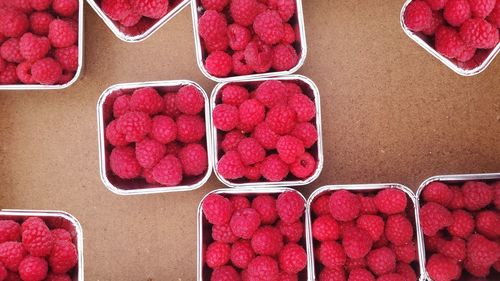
[
  {"x": 78, "y": 71},
  {"x": 55, "y": 219},
  {"x": 309, "y": 89},
  {"x": 356, "y": 188},
  {"x": 137, "y": 187},
  {"x": 460, "y": 68},
  {"x": 202, "y": 271},
  {"x": 127, "y": 36},
  {"x": 449, "y": 179},
  {"x": 300, "y": 46}
]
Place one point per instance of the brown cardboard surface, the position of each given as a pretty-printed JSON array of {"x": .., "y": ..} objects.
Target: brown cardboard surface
[{"x": 391, "y": 113}]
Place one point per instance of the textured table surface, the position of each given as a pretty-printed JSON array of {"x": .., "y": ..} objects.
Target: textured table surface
[{"x": 391, "y": 113}]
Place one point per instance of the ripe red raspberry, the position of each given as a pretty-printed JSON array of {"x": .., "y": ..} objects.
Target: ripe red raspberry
[
  {"x": 259, "y": 56},
  {"x": 154, "y": 9},
  {"x": 434, "y": 217},
  {"x": 284, "y": 57},
  {"x": 217, "y": 5},
  {"x": 225, "y": 117},
  {"x": 418, "y": 16},
  {"x": 146, "y": 100},
  {"x": 234, "y": 95},
  {"x": 170, "y": 109},
  {"x": 361, "y": 274},
  {"x": 40, "y": 5},
  {"x": 448, "y": 42},
  {"x": 307, "y": 133},
  {"x": 245, "y": 222},
  {"x": 437, "y": 21},
  {"x": 189, "y": 100},
  {"x": 372, "y": 224},
  {"x": 33, "y": 47},
  {"x": 223, "y": 233},
  {"x": 290, "y": 206},
  {"x": 241, "y": 254},
  {"x": 352, "y": 264},
  {"x": 131, "y": 20},
  {"x": 212, "y": 25},
  {"x": 287, "y": 276},
  {"x": 463, "y": 224},
  {"x": 240, "y": 66},
  {"x": 289, "y": 34},
  {"x": 58, "y": 277},
  {"x": 356, "y": 242},
  {"x": 481, "y": 251},
  {"x": 368, "y": 206},
  {"x": 217, "y": 254},
  {"x": 9, "y": 231},
  {"x": 135, "y": 125},
  {"x": 436, "y": 5},
  {"x": 13, "y": 276},
  {"x": 219, "y": 64},
  {"x": 481, "y": 8},
  {"x": 13, "y": 23},
  {"x": 149, "y": 152},
  {"x": 65, "y": 8},
  {"x": 230, "y": 166},
  {"x": 271, "y": 93},
  {"x": 453, "y": 249},
  {"x": 289, "y": 148},
  {"x": 457, "y": 201},
  {"x": 11, "y": 52},
  {"x": 194, "y": 159},
  {"x": 265, "y": 205},
  {"x": 168, "y": 171},
  {"x": 292, "y": 258},
  {"x": 332, "y": 274},
  {"x": 123, "y": 163},
  {"x": 406, "y": 271},
  {"x": 216, "y": 44},
  {"x": 292, "y": 232},
  {"x": 479, "y": 33},
  {"x": 390, "y": 201},
  {"x": 267, "y": 241},
  {"x": 487, "y": 223},
  {"x": 274, "y": 169},
  {"x": 441, "y": 268},
  {"x": 39, "y": 22},
  {"x": 163, "y": 129},
  {"x": 331, "y": 254},
  {"x": 121, "y": 105},
  {"x": 225, "y": 273},
  {"x": 265, "y": 136},
  {"x": 11, "y": 255},
  {"x": 320, "y": 206},
  {"x": 344, "y": 205},
  {"x": 253, "y": 172},
  {"x": 243, "y": 11},
  {"x": 268, "y": 26},
  {"x": 281, "y": 119},
  {"x": 63, "y": 257},
  {"x": 231, "y": 140},
  {"x": 263, "y": 268},
  {"x": 190, "y": 128},
  {"x": 3, "y": 64},
  {"x": 398, "y": 230},
  {"x": 477, "y": 270},
  {"x": 432, "y": 243},
  {"x": 304, "y": 166},
  {"x": 457, "y": 12},
  {"x": 61, "y": 234},
  {"x": 67, "y": 57},
  {"x": 285, "y": 8},
  {"x": 325, "y": 228},
  {"x": 477, "y": 195},
  {"x": 37, "y": 238},
  {"x": 494, "y": 16},
  {"x": 9, "y": 75},
  {"x": 406, "y": 253},
  {"x": 33, "y": 269},
  {"x": 217, "y": 209},
  {"x": 62, "y": 33},
  {"x": 252, "y": 112},
  {"x": 303, "y": 106},
  {"x": 381, "y": 261},
  {"x": 46, "y": 71},
  {"x": 391, "y": 277},
  {"x": 438, "y": 192},
  {"x": 116, "y": 9},
  {"x": 239, "y": 36}
]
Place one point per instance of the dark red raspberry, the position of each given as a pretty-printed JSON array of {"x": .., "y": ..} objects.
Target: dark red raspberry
[
  {"x": 116, "y": 9},
  {"x": 405, "y": 253},
  {"x": 189, "y": 100},
  {"x": 217, "y": 254},
  {"x": 457, "y": 201},
  {"x": 438, "y": 192},
  {"x": 240, "y": 66},
  {"x": 494, "y": 16},
  {"x": 173, "y": 148},
  {"x": 289, "y": 148},
  {"x": 37, "y": 238},
  {"x": 320, "y": 206},
  {"x": 234, "y": 95},
  {"x": 368, "y": 206},
  {"x": 63, "y": 257},
  {"x": 418, "y": 16},
  {"x": 292, "y": 232},
  {"x": 265, "y": 205},
  {"x": 344, "y": 205},
  {"x": 440, "y": 267},
  {"x": 271, "y": 93},
  {"x": 194, "y": 159},
  {"x": 331, "y": 254},
  {"x": 33, "y": 47},
  {"x": 453, "y": 249},
  {"x": 477, "y": 195},
  {"x": 13, "y": 23},
  {"x": 457, "y": 12},
  {"x": 61, "y": 234},
  {"x": 303, "y": 106},
  {"x": 245, "y": 222},
  {"x": 163, "y": 129},
  {"x": 274, "y": 169},
  {"x": 11, "y": 255},
  {"x": 356, "y": 242},
  {"x": 479, "y": 33},
  {"x": 285, "y": 57},
  {"x": 481, "y": 251},
  {"x": 253, "y": 172},
  {"x": 46, "y": 71},
  {"x": 135, "y": 125},
  {"x": 67, "y": 57},
  {"x": 230, "y": 166},
  {"x": 398, "y": 230},
  {"x": 23, "y": 72},
  {"x": 11, "y": 52},
  {"x": 58, "y": 277},
  {"x": 154, "y": 9},
  {"x": 242, "y": 254},
  {"x": 434, "y": 217},
  {"x": 325, "y": 228},
  {"x": 223, "y": 233},
  {"x": 33, "y": 269},
  {"x": 372, "y": 224},
  {"x": 190, "y": 128},
  {"x": 225, "y": 117},
  {"x": 259, "y": 56},
  {"x": 231, "y": 140},
  {"x": 263, "y": 268},
  {"x": 170, "y": 109},
  {"x": 292, "y": 258},
  {"x": 290, "y": 206},
  {"x": 146, "y": 100},
  {"x": 289, "y": 34},
  {"x": 168, "y": 171},
  {"x": 481, "y": 8},
  {"x": 62, "y": 33},
  {"x": 332, "y": 274},
  {"x": 65, "y": 8},
  {"x": 39, "y": 22},
  {"x": 252, "y": 112},
  {"x": 217, "y": 5},
  {"x": 123, "y": 163},
  {"x": 487, "y": 223},
  {"x": 217, "y": 209},
  {"x": 265, "y": 136},
  {"x": 381, "y": 261},
  {"x": 9, "y": 231},
  {"x": 463, "y": 224},
  {"x": 281, "y": 119},
  {"x": 268, "y": 26},
  {"x": 437, "y": 21},
  {"x": 432, "y": 243},
  {"x": 361, "y": 274},
  {"x": 390, "y": 201},
  {"x": 304, "y": 166},
  {"x": 243, "y": 11},
  {"x": 149, "y": 152},
  {"x": 9, "y": 75},
  {"x": 267, "y": 241},
  {"x": 212, "y": 25},
  {"x": 239, "y": 36},
  {"x": 225, "y": 273},
  {"x": 219, "y": 64}
]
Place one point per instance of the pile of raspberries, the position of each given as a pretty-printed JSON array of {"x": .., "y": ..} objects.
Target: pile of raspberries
[
  {"x": 39, "y": 41},
  {"x": 461, "y": 226},
  {"x": 33, "y": 252},
  {"x": 364, "y": 236},
  {"x": 241, "y": 37},
  {"x": 460, "y": 28},
  {"x": 267, "y": 133},
  {"x": 158, "y": 138},
  {"x": 257, "y": 240}
]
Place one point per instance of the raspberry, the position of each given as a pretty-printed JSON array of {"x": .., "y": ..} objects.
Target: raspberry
[
  {"x": 242, "y": 254},
  {"x": 123, "y": 163},
  {"x": 281, "y": 119},
  {"x": 62, "y": 33},
  {"x": 267, "y": 240},
  {"x": 268, "y": 26},
  {"x": 263, "y": 267},
  {"x": 291, "y": 232},
  {"x": 243, "y": 12},
  {"x": 217, "y": 209},
  {"x": 11, "y": 255},
  {"x": 361, "y": 274},
  {"x": 217, "y": 254},
  {"x": 239, "y": 202},
  {"x": 23, "y": 72},
  {"x": 12, "y": 276},
  {"x": 352, "y": 264},
  {"x": 212, "y": 25},
  {"x": 2, "y": 64},
  {"x": 432, "y": 243},
  {"x": 373, "y": 225},
  {"x": 368, "y": 206},
  {"x": 265, "y": 136},
  {"x": 8, "y": 76},
  {"x": 259, "y": 56},
  {"x": 487, "y": 223},
  {"x": 391, "y": 277},
  {"x": 477, "y": 270},
  {"x": 154, "y": 9},
  {"x": 320, "y": 206},
  {"x": 173, "y": 148},
  {"x": 344, "y": 205},
  {"x": 33, "y": 47},
  {"x": 418, "y": 16},
  {"x": 437, "y": 21},
  {"x": 63, "y": 257},
  {"x": 479, "y": 33},
  {"x": 39, "y": 22},
  {"x": 146, "y": 100},
  {"x": 219, "y": 64},
  {"x": 189, "y": 100},
  {"x": 287, "y": 276},
  {"x": 456, "y": 12},
  {"x": 467, "y": 54},
  {"x": 149, "y": 152},
  {"x": 163, "y": 129},
  {"x": 230, "y": 166},
  {"x": 65, "y": 8},
  {"x": 289, "y": 34},
  {"x": 11, "y": 52},
  {"x": 434, "y": 217},
  {"x": 289, "y": 148},
  {"x": 9, "y": 231},
  {"x": 240, "y": 66},
  {"x": 190, "y": 128},
  {"x": 457, "y": 201},
  {"x": 234, "y": 95},
  {"x": 304, "y": 166},
  {"x": 274, "y": 169},
  {"x": 239, "y": 36},
  {"x": 265, "y": 205},
  {"x": 194, "y": 159},
  {"x": 61, "y": 234},
  {"x": 217, "y": 5},
  {"x": 252, "y": 112},
  {"x": 448, "y": 42},
  {"x": 13, "y": 23},
  {"x": 245, "y": 222},
  {"x": 438, "y": 192},
  {"x": 481, "y": 8},
  {"x": 33, "y": 269},
  {"x": 286, "y": 9},
  {"x": 225, "y": 117},
  {"x": 463, "y": 224},
  {"x": 381, "y": 261},
  {"x": 170, "y": 109},
  {"x": 331, "y": 254},
  {"x": 441, "y": 268},
  {"x": 398, "y": 230},
  {"x": 494, "y": 16},
  {"x": 67, "y": 57},
  {"x": 223, "y": 233},
  {"x": 292, "y": 258},
  {"x": 231, "y": 140},
  {"x": 453, "y": 249},
  {"x": 481, "y": 251},
  {"x": 356, "y": 242},
  {"x": 436, "y": 5},
  {"x": 168, "y": 171},
  {"x": 147, "y": 175},
  {"x": 131, "y": 20},
  {"x": 271, "y": 93},
  {"x": 225, "y": 273},
  {"x": 40, "y": 5},
  {"x": 406, "y": 253},
  {"x": 325, "y": 228},
  {"x": 290, "y": 206},
  {"x": 121, "y": 105},
  {"x": 284, "y": 57},
  {"x": 332, "y": 274},
  {"x": 390, "y": 201},
  {"x": 46, "y": 71},
  {"x": 406, "y": 271},
  {"x": 135, "y": 125},
  {"x": 37, "y": 238},
  {"x": 116, "y": 9},
  {"x": 253, "y": 172},
  {"x": 477, "y": 195},
  {"x": 303, "y": 106},
  {"x": 57, "y": 277}
]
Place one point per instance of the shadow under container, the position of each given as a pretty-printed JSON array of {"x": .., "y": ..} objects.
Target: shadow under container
[
  {"x": 204, "y": 238},
  {"x": 55, "y": 219},
  {"x": 478, "y": 64},
  {"x": 359, "y": 188},
  {"x": 309, "y": 89},
  {"x": 450, "y": 180},
  {"x": 105, "y": 116}
]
